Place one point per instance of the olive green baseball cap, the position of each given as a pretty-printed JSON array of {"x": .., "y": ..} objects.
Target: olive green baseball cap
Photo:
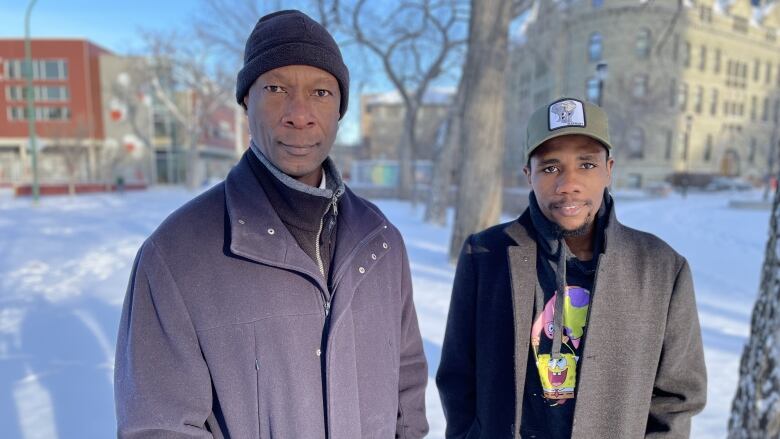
[{"x": 563, "y": 117}]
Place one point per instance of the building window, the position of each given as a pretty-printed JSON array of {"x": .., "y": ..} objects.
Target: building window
[
  {"x": 705, "y": 14},
  {"x": 541, "y": 68},
  {"x": 708, "y": 149},
  {"x": 636, "y": 143},
  {"x": 41, "y": 113},
  {"x": 640, "y": 86},
  {"x": 675, "y": 48},
  {"x": 698, "y": 99},
  {"x": 740, "y": 25},
  {"x": 714, "y": 103},
  {"x": 753, "y": 108},
  {"x": 595, "y": 47},
  {"x": 673, "y": 93},
  {"x": 752, "y": 151},
  {"x": 765, "y": 110},
  {"x": 592, "y": 90},
  {"x": 768, "y": 75},
  {"x": 686, "y": 54},
  {"x": 756, "y": 70},
  {"x": 682, "y": 97},
  {"x": 40, "y": 93},
  {"x": 669, "y": 145},
  {"x": 46, "y": 69},
  {"x": 643, "y": 45},
  {"x": 717, "y": 60},
  {"x": 703, "y": 58},
  {"x": 777, "y": 111}
]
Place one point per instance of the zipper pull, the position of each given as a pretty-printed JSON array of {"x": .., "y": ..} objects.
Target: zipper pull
[
  {"x": 327, "y": 308},
  {"x": 335, "y": 202}
]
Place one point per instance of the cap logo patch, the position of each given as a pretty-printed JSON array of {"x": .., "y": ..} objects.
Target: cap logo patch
[{"x": 566, "y": 113}]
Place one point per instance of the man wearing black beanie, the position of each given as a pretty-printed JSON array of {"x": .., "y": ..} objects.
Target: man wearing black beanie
[{"x": 278, "y": 303}]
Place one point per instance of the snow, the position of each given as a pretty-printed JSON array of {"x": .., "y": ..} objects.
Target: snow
[{"x": 65, "y": 265}]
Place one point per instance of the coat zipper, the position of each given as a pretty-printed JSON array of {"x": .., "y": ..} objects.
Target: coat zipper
[{"x": 318, "y": 251}]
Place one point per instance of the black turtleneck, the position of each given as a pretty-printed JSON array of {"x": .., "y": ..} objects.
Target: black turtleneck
[
  {"x": 300, "y": 212},
  {"x": 542, "y": 417}
]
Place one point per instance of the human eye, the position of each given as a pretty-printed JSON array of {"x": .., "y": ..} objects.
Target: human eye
[
  {"x": 550, "y": 169},
  {"x": 275, "y": 89},
  {"x": 321, "y": 93},
  {"x": 588, "y": 165}
]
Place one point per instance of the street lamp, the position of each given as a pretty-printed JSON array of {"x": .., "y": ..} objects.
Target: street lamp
[
  {"x": 686, "y": 147},
  {"x": 602, "y": 70},
  {"x": 28, "y": 71}
]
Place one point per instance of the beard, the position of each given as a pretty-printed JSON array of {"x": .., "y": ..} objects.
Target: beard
[{"x": 582, "y": 230}]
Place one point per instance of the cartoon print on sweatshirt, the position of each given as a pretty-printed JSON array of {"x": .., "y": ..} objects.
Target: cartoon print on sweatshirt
[{"x": 559, "y": 376}]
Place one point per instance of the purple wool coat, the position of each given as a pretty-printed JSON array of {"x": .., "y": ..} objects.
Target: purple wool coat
[{"x": 222, "y": 327}]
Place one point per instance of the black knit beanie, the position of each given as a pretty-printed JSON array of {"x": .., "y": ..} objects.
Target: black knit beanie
[{"x": 287, "y": 38}]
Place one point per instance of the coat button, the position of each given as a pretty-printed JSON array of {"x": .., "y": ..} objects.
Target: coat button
[
  {"x": 373, "y": 256},
  {"x": 271, "y": 231},
  {"x": 318, "y": 352},
  {"x": 361, "y": 270},
  {"x": 241, "y": 221},
  {"x": 384, "y": 245}
]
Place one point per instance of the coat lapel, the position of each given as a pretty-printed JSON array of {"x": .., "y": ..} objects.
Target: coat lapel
[
  {"x": 255, "y": 231},
  {"x": 522, "y": 268},
  {"x": 611, "y": 304}
]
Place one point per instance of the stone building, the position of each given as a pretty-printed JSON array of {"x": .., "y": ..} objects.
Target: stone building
[{"x": 690, "y": 91}]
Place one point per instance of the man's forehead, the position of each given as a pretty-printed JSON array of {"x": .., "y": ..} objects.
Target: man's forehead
[{"x": 292, "y": 71}]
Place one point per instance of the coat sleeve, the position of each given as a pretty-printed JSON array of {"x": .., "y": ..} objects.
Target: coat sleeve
[
  {"x": 680, "y": 388},
  {"x": 456, "y": 377},
  {"x": 161, "y": 381},
  {"x": 413, "y": 368}
]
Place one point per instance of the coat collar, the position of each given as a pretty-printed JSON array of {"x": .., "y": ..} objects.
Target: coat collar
[{"x": 256, "y": 232}]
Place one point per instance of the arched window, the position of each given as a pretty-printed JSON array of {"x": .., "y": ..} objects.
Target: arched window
[
  {"x": 593, "y": 91},
  {"x": 640, "y": 86},
  {"x": 643, "y": 43},
  {"x": 595, "y": 47},
  {"x": 636, "y": 143}
]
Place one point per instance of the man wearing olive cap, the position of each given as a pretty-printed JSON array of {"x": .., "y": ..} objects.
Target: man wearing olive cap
[
  {"x": 617, "y": 354},
  {"x": 278, "y": 304}
]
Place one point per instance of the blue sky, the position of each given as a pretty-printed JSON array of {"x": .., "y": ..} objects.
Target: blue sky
[
  {"x": 113, "y": 25},
  {"x": 116, "y": 25}
]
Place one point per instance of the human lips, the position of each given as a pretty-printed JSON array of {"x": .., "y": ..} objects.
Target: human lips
[
  {"x": 298, "y": 149},
  {"x": 569, "y": 208}
]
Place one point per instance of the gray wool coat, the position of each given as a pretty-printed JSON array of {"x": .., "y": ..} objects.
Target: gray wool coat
[
  {"x": 642, "y": 370},
  {"x": 222, "y": 327}
]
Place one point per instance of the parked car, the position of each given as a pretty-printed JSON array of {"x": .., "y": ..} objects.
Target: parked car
[{"x": 728, "y": 184}]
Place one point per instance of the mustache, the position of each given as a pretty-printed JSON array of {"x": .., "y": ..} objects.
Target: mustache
[{"x": 568, "y": 201}]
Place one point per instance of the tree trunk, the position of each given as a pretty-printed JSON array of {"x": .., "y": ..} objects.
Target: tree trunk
[
  {"x": 755, "y": 411},
  {"x": 443, "y": 166},
  {"x": 406, "y": 157},
  {"x": 482, "y": 133}
]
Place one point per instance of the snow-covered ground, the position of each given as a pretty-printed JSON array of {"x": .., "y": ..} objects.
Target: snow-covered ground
[{"x": 64, "y": 267}]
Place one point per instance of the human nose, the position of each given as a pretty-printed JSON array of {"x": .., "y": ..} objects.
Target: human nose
[
  {"x": 298, "y": 112},
  {"x": 567, "y": 183}
]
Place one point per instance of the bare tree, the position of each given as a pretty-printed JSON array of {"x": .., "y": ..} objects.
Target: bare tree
[
  {"x": 71, "y": 146},
  {"x": 190, "y": 83},
  {"x": 478, "y": 202},
  {"x": 416, "y": 43},
  {"x": 755, "y": 411},
  {"x": 446, "y": 156}
]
